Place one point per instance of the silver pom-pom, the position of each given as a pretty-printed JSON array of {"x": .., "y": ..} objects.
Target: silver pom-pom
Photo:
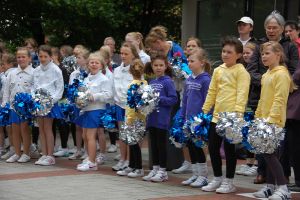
[
  {"x": 149, "y": 99},
  {"x": 43, "y": 102},
  {"x": 133, "y": 133},
  {"x": 83, "y": 97},
  {"x": 230, "y": 126},
  {"x": 70, "y": 64},
  {"x": 265, "y": 137}
]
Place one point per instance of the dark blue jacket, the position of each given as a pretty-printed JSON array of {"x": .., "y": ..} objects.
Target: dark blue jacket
[
  {"x": 195, "y": 91},
  {"x": 160, "y": 118}
]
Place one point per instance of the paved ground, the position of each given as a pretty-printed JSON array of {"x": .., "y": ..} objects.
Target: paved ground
[{"x": 62, "y": 181}]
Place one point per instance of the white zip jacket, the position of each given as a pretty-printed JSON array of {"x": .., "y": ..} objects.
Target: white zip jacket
[
  {"x": 18, "y": 80},
  {"x": 49, "y": 77},
  {"x": 102, "y": 90},
  {"x": 122, "y": 79}
]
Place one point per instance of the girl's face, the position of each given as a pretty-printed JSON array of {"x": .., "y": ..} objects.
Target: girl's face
[
  {"x": 229, "y": 55},
  {"x": 81, "y": 61},
  {"x": 190, "y": 46},
  {"x": 247, "y": 53},
  {"x": 195, "y": 64},
  {"x": 292, "y": 33},
  {"x": 30, "y": 48},
  {"x": 132, "y": 41},
  {"x": 126, "y": 55},
  {"x": 269, "y": 57},
  {"x": 159, "y": 67},
  {"x": 44, "y": 57},
  {"x": 95, "y": 66},
  {"x": 23, "y": 59}
]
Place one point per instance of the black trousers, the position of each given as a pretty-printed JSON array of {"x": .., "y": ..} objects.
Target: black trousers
[
  {"x": 135, "y": 161},
  {"x": 197, "y": 155},
  {"x": 215, "y": 141},
  {"x": 158, "y": 142},
  {"x": 275, "y": 173},
  {"x": 292, "y": 148},
  {"x": 64, "y": 131}
]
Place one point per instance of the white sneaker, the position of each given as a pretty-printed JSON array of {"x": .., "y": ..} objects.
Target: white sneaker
[
  {"x": 226, "y": 186},
  {"x": 119, "y": 166},
  {"x": 76, "y": 155},
  {"x": 252, "y": 171},
  {"x": 13, "y": 158},
  {"x": 281, "y": 194},
  {"x": 49, "y": 160},
  {"x": 125, "y": 171},
  {"x": 38, "y": 162},
  {"x": 242, "y": 169},
  {"x": 264, "y": 192},
  {"x": 100, "y": 159},
  {"x": 151, "y": 174},
  {"x": 34, "y": 152},
  {"x": 200, "y": 182},
  {"x": 84, "y": 156},
  {"x": 117, "y": 157},
  {"x": 160, "y": 176},
  {"x": 73, "y": 150},
  {"x": 213, "y": 185},
  {"x": 8, "y": 154},
  {"x": 87, "y": 166},
  {"x": 136, "y": 173},
  {"x": 62, "y": 153},
  {"x": 24, "y": 158},
  {"x": 190, "y": 180},
  {"x": 83, "y": 161},
  {"x": 186, "y": 167},
  {"x": 112, "y": 148}
]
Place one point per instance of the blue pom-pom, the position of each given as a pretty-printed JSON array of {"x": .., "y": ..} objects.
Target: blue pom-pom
[
  {"x": 177, "y": 135},
  {"x": 4, "y": 115},
  {"x": 24, "y": 105}
]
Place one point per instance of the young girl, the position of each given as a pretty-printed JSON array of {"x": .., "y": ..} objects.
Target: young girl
[
  {"x": 228, "y": 92},
  {"x": 159, "y": 120},
  {"x": 135, "y": 163},
  {"x": 136, "y": 38},
  {"x": 8, "y": 63},
  {"x": 48, "y": 76},
  {"x": 248, "y": 50},
  {"x": 19, "y": 80},
  {"x": 276, "y": 84},
  {"x": 195, "y": 90},
  {"x": 122, "y": 78},
  {"x": 100, "y": 89},
  {"x": 82, "y": 56}
]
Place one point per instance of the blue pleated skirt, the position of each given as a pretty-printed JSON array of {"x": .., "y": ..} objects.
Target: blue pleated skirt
[
  {"x": 120, "y": 114},
  {"x": 14, "y": 118},
  {"x": 56, "y": 112},
  {"x": 90, "y": 119}
]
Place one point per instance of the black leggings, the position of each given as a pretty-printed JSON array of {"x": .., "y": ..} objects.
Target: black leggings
[
  {"x": 196, "y": 153},
  {"x": 113, "y": 136},
  {"x": 214, "y": 146},
  {"x": 64, "y": 131},
  {"x": 135, "y": 158},
  {"x": 158, "y": 140},
  {"x": 35, "y": 134},
  {"x": 275, "y": 173}
]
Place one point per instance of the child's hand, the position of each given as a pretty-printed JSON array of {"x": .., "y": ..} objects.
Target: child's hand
[{"x": 91, "y": 98}]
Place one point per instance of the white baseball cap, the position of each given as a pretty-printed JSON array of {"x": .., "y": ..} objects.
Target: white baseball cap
[{"x": 246, "y": 20}]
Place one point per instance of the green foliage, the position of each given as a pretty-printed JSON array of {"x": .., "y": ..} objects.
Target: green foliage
[{"x": 85, "y": 22}]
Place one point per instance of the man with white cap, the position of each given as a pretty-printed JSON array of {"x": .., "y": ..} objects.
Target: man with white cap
[{"x": 245, "y": 26}]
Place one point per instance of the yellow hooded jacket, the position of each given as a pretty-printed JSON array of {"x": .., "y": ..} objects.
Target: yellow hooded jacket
[
  {"x": 274, "y": 95},
  {"x": 130, "y": 113},
  {"x": 228, "y": 90}
]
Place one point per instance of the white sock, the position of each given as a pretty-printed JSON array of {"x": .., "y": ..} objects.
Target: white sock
[
  {"x": 162, "y": 169},
  {"x": 283, "y": 187},
  {"x": 155, "y": 167},
  {"x": 220, "y": 178},
  {"x": 203, "y": 170}
]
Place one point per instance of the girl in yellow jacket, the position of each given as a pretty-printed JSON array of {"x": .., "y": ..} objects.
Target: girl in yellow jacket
[
  {"x": 134, "y": 169},
  {"x": 228, "y": 92},
  {"x": 276, "y": 84}
]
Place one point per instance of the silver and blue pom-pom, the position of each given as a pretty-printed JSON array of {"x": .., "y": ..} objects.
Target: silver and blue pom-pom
[
  {"x": 264, "y": 137},
  {"x": 133, "y": 133},
  {"x": 70, "y": 64},
  {"x": 149, "y": 99},
  {"x": 43, "y": 103},
  {"x": 180, "y": 70},
  {"x": 24, "y": 105},
  {"x": 109, "y": 118},
  {"x": 177, "y": 136},
  {"x": 197, "y": 128},
  {"x": 230, "y": 126},
  {"x": 4, "y": 115}
]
